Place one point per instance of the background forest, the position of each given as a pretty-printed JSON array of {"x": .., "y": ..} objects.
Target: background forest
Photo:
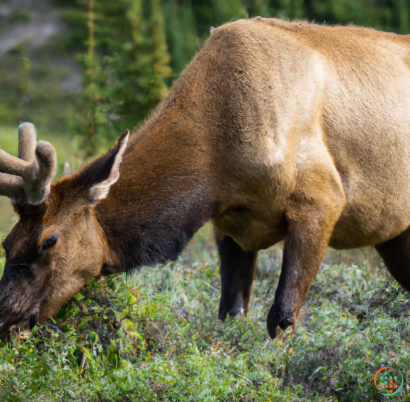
[{"x": 84, "y": 70}]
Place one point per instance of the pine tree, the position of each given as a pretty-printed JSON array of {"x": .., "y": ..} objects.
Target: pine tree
[
  {"x": 160, "y": 56},
  {"x": 181, "y": 32},
  {"x": 90, "y": 141},
  {"x": 403, "y": 15},
  {"x": 125, "y": 66},
  {"x": 227, "y": 10},
  {"x": 259, "y": 8}
]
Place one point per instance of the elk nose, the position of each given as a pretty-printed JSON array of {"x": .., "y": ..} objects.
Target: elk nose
[{"x": 33, "y": 320}]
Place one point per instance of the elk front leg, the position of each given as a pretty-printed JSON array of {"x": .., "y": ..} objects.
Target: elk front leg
[
  {"x": 313, "y": 210},
  {"x": 237, "y": 273}
]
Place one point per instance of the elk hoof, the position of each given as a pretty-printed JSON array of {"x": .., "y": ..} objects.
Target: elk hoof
[
  {"x": 233, "y": 313},
  {"x": 232, "y": 307},
  {"x": 278, "y": 318}
]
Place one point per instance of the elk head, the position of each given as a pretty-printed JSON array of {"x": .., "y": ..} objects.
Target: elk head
[{"x": 57, "y": 246}]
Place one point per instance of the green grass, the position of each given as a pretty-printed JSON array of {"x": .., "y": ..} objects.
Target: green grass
[{"x": 153, "y": 335}]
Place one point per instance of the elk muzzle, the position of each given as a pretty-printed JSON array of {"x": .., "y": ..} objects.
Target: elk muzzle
[{"x": 21, "y": 292}]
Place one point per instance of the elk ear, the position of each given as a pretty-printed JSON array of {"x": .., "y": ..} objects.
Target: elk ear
[{"x": 101, "y": 174}]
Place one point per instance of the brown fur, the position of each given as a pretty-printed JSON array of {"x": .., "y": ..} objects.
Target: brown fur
[{"x": 276, "y": 130}]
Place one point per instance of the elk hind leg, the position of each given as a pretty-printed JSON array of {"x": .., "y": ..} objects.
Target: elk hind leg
[
  {"x": 396, "y": 256},
  {"x": 237, "y": 273}
]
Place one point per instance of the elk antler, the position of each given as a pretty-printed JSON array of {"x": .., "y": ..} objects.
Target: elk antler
[{"x": 28, "y": 177}]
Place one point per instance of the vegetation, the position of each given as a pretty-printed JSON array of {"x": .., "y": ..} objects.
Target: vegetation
[{"x": 153, "y": 335}]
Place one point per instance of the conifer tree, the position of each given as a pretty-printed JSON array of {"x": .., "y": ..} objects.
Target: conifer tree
[
  {"x": 181, "y": 31},
  {"x": 160, "y": 56}
]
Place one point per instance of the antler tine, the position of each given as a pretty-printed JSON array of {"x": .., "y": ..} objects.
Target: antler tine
[
  {"x": 28, "y": 177},
  {"x": 27, "y": 141},
  {"x": 12, "y": 187},
  {"x": 38, "y": 187}
]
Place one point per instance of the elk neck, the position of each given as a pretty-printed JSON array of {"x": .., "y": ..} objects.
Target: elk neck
[{"x": 165, "y": 193}]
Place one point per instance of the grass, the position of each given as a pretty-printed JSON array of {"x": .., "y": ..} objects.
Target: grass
[{"x": 153, "y": 335}]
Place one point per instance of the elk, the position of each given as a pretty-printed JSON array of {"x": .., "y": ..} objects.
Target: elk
[{"x": 275, "y": 131}]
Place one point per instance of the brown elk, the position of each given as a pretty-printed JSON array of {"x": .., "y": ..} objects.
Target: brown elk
[{"x": 276, "y": 130}]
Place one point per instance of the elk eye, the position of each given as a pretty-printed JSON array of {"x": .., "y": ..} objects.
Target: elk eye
[{"x": 49, "y": 242}]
